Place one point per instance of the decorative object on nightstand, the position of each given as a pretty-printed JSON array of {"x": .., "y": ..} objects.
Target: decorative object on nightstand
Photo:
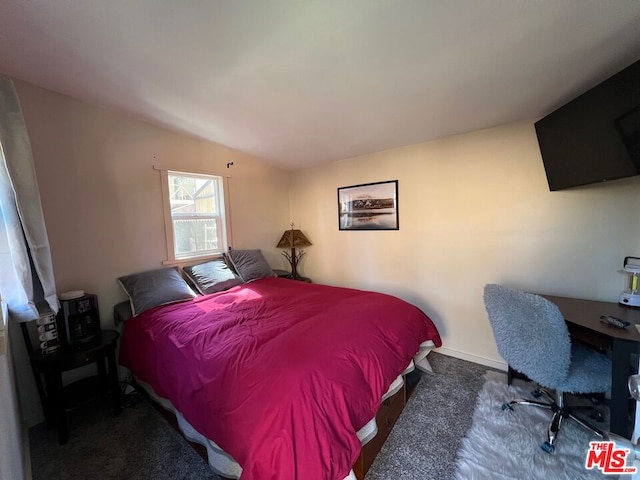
[
  {"x": 293, "y": 239},
  {"x": 78, "y": 318}
]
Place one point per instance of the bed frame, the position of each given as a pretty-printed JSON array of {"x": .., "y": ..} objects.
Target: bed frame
[{"x": 386, "y": 418}]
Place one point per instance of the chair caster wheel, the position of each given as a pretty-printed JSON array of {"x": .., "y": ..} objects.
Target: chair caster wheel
[
  {"x": 506, "y": 406},
  {"x": 597, "y": 416},
  {"x": 536, "y": 394},
  {"x": 547, "y": 447}
]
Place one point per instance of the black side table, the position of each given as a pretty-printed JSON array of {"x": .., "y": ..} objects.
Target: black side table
[
  {"x": 282, "y": 273},
  {"x": 286, "y": 274},
  {"x": 59, "y": 398}
]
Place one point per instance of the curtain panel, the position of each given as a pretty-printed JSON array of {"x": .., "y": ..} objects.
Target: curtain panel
[{"x": 23, "y": 234}]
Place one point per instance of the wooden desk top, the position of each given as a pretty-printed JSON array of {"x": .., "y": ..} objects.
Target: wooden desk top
[{"x": 586, "y": 313}]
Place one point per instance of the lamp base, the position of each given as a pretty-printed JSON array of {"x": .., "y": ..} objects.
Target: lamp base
[
  {"x": 282, "y": 273},
  {"x": 631, "y": 299}
]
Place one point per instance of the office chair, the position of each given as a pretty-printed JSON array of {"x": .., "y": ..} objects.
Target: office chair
[{"x": 532, "y": 337}]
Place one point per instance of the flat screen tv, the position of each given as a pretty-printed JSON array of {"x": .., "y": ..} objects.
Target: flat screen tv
[{"x": 595, "y": 137}]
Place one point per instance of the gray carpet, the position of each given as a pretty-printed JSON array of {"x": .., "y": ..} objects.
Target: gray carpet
[
  {"x": 140, "y": 444},
  {"x": 424, "y": 441},
  {"x": 135, "y": 445}
]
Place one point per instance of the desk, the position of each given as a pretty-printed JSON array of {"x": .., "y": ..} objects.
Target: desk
[{"x": 583, "y": 320}]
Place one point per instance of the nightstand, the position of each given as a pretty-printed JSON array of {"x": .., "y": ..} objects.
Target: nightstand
[
  {"x": 286, "y": 274},
  {"x": 282, "y": 273},
  {"x": 58, "y": 398}
]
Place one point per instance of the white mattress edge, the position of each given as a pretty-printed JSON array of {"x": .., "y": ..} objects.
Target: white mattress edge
[{"x": 219, "y": 461}]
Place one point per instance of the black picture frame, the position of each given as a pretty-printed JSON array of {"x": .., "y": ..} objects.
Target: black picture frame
[{"x": 369, "y": 206}]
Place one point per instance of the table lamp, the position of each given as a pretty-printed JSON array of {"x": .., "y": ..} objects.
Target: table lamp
[
  {"x": 293, "y": 239},
  {"x": 631, "y": 296}
]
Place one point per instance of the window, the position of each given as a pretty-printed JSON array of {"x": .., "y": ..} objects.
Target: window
[{"x": 194, "y": 215}]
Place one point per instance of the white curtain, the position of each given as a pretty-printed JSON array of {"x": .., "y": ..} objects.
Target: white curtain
[{"x": 23, "y": 235}]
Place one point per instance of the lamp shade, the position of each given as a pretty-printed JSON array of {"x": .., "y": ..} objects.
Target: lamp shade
[{"x": 293, "y": 239}]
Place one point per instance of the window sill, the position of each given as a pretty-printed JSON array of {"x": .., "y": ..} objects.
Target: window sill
[{"x": 185, "y": 261}]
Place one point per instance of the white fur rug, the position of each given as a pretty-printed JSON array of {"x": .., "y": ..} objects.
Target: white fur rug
[{"x": 503, "y": 445}]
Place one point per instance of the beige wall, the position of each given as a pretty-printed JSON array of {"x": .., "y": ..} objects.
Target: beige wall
[
  {"x": 102, "y": 198},
  {"x": 474, "y": 209},
  {"x": 101, "y": 195}
]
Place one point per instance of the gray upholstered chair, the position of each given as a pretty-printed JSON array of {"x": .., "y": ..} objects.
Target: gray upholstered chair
[{"x": 532, "y": 337}]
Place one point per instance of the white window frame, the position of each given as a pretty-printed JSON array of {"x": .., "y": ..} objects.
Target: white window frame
[{"x": 225, "y": 215}]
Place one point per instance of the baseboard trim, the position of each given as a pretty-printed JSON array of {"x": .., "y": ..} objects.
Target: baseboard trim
[{"x": 472, "y": 358}]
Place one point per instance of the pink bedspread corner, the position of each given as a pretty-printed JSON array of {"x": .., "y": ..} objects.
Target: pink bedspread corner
[{"x": 281, "y": 374}]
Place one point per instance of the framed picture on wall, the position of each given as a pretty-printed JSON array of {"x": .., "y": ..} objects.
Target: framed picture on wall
[{"x": 370, "y": 206}]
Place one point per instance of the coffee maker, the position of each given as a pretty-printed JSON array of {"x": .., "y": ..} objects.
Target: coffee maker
[
  {"x": 631, "y": 296},
  {"x": 78, "y": 318}
]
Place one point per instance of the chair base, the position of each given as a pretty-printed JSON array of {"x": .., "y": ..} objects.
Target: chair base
[{"x": 560, "y": 412}]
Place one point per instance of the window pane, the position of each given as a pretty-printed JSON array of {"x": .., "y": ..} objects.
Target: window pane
[
  {"x": 188, "y": 194},
  {"x": 195, "y": 235}
]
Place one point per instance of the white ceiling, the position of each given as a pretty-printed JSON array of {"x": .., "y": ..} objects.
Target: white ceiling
[{"x": 300, "y": 82}]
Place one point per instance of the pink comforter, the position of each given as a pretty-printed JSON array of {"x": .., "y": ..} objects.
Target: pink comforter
[{"x": 281, "y": 374}]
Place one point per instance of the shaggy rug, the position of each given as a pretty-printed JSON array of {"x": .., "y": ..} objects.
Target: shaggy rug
[{"x": 505, "y": 445}]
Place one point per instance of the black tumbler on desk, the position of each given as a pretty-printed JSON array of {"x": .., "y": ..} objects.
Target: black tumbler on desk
[{"x": 79, "y": 320}]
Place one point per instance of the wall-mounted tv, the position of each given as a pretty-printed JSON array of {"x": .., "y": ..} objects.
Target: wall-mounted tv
[{"x": 596, "y": 136}]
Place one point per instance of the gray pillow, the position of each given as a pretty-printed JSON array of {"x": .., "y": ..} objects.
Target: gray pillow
[
  {"x": 250, "y": 264},
  {"x": 155, "y": 287},
  {"x": 213, "y": 276}
]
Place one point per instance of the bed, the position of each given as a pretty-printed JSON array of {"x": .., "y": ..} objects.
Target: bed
[{"x": 277, "y": 378}]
